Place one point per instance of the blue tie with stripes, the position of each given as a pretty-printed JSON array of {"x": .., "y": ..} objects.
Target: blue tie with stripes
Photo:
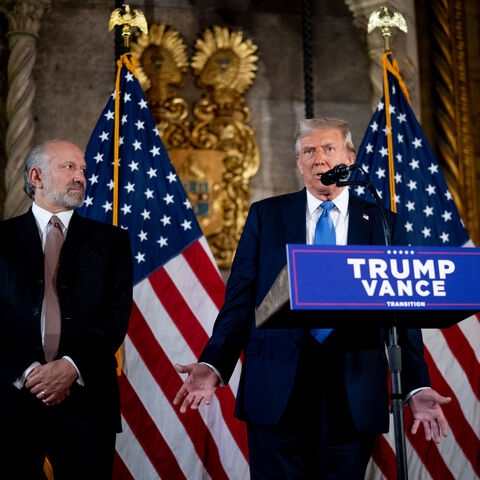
[{"x": 324, "y": 235}]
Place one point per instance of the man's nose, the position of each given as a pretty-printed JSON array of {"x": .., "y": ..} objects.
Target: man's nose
[{"x": 79, "y": 176}]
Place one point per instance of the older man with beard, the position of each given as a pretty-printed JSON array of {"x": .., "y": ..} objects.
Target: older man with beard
[{"x": 65, "y": 301}]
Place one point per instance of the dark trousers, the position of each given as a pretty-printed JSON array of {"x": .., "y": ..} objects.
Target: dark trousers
[
  {"x": 316, "y": 437},
  {"x": 75, "y": 448}
]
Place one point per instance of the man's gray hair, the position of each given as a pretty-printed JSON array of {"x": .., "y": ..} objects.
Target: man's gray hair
[
  {"x": 309, "y": 126},
  {"x": 37, "y": 157}
]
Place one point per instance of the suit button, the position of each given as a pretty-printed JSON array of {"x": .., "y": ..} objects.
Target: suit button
[
  {"x": 62, "y": 286},
  {"x": 36, "y": 311},
  {"x": 40, "y": 281}
]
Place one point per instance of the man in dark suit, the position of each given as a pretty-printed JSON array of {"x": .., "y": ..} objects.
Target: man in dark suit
[
  {"x": 312, "y": 409},
  {"x": 59, "y": 391}
]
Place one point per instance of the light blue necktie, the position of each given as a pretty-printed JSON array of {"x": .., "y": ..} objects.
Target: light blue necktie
[{"x": 324, "y": 235}]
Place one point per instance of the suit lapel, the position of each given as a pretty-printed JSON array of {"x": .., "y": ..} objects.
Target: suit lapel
[
  {"x": 29, "y": 237},
  {"x": 360, "y": 222},
  {"x": 76, "y": 233},
  {"x": 294, "y": 214}
]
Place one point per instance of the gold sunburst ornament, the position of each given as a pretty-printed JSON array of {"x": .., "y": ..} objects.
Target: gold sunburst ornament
[
  {"x": 162, "y": 57},
  {"x": 225, "y": 62}
]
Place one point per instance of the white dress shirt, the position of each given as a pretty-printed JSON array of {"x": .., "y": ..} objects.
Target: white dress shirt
[{"x": 339, "y": 215}]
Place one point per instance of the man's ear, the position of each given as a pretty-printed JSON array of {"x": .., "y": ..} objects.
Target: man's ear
[
  {"x": 351, "y": 158},
  {"x": 36, "y": 177},
  {"x": 300, "y": 164}
]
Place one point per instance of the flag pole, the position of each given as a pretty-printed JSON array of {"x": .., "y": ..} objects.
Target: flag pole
[
  {"x": 381, "y": 18},
  {"x": 127, "y": 20}
]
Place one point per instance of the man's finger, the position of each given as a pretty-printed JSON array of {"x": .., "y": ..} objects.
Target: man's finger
[
  {"x": 415, "y": 426},
  {"x": 428, "y": 433},
  {"x": 186, "y": 403}
]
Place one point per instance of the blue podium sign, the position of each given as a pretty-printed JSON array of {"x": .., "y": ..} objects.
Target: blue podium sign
[{"x": 369, "y": 277}]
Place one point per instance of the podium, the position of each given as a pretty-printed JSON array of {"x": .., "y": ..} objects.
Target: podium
[
  {"x": 423, "y": 287},
  {"x": 393, "y": 286}
]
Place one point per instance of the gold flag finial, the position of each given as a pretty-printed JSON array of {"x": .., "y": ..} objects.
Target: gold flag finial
[
  {"x": 381, "y": 18},
  {"x": 128, "y": 20}
]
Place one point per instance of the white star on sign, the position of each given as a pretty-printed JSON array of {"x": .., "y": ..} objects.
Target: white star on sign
[
  {"x": 402, "y": 118},
  {"x": 187, "y": 204},
  {"x": 142, "y": 104},
  {"x": 107, "y": 206},
  {"x": 168, "y": 198},
  {"x": 142, "y": 235},
  {"x": 93, "y": 179},
  {"x": 186, "y": 225},
  {"x": 126, "y": 97},
  {"x": 88, "y": 201},
  {"x": 400, "y": 138},
  {"x": 410, "y": 206},
  {"x": 155, "y": 151},
  {"x": 110, "y": 115},
  {"x": 386, "y": 130},
  {"x": 417, "y": 142},
  {"x": 104, "y": 136},
  {"x": 126, "y": 209},
  {"x": 396, "y": 198},
  {"x": 130, "y": 187},
  {"x": 165, "y": 220},
  {"x": 409, "y": 226},
  {"x": 124, "y": 118},
  {"x": 399, "y": 158},
  {"x": 111, "y": 184},
  {"x": 145, "y": 214},
  {"x": 446, "y": 215},
  {"x": 380, "y": 173},
  {"x": 448, "y": 195},
  {"x": 140, "y": 125},
  {"x": 149, "y": 193},
  {"x": 369, "y": 148},
  {"x": 430, "y": 189},
  {"x": 380, "y": 105},
  {"x": 433, "y": 168},
  {"x": 152, "y": 172},
  {"x": 374, "y": 126},
  {"x": 162, "y": 241},
  {"x": 129, "y": 77},
  {"x": 359, "y": 190},
  {"x": 140, "y": 257},
  {"x": 98, "y": 157},
  {"x": 136, "y": 145},
  {"x": 398, "y": 178},
  {"x": 171, "y": 177},
  {"x": 428, "y": 211},
  {"x": 392, "y": 109}
]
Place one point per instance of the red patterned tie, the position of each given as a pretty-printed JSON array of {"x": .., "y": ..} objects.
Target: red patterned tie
[{"x": 53, "y": 245}]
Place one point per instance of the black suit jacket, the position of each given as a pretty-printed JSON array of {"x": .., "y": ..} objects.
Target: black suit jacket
[
  {"x": 272, "y": 356},
  {"x": 94, "y": 285}
]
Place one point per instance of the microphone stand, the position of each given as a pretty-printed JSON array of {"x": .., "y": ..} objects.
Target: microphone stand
[{"x": 394, "y": 349}]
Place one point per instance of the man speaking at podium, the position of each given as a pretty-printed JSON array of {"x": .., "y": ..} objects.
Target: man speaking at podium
[{"x": 313, "y": 399}]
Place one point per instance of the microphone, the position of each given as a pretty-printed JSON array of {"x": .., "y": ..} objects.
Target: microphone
[{"x": 337, "y": 173}]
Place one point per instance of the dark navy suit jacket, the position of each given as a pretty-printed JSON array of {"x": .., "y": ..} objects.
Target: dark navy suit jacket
[
  {"x": 94, "y": 286},
  {"x": 272, "y": 355}
]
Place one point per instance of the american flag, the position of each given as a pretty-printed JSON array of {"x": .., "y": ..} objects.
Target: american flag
[
  {"x": 413, "y": 179},
  {"x": 177, "y": 294}
]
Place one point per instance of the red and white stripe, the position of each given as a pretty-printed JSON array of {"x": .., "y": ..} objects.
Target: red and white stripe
[
  {"x": 172, "y": 319},
  {"x": 453, "y": 358}
]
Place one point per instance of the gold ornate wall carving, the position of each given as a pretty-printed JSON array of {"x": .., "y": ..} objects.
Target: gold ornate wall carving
[
  {"x": 212, "y": 146},
  {"x": 449, "y": 105}
]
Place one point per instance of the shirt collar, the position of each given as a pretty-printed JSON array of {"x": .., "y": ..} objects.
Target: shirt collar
[
  {"x": 341, "y": 202},
  {"x": 43, "y": 216}
]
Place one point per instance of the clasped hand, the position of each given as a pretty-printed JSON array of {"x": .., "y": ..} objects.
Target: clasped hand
[{"x": 51, "y": 382}]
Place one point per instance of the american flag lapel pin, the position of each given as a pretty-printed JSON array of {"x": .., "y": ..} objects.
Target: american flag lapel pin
[{"x": 365, "y": 217}]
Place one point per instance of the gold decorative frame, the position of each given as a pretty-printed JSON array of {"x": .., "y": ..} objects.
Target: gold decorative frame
[{"x": 215, "y": 152}]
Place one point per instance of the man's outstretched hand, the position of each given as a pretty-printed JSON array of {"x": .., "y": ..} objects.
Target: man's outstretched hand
[
  {"x": 426, "y": 409},
  {"x": 200, "y": 384}
]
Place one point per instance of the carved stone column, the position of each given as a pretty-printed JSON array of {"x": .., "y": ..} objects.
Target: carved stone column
[
  {"x": 24, "y": 18},
  {"x": 404, "y": 47}
]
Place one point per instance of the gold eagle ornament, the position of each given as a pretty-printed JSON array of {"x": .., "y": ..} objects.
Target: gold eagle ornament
[{"x": 128, "y": 20}]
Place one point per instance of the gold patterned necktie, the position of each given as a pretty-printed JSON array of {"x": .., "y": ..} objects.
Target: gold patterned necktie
[{"x": 53, "y": 245}]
